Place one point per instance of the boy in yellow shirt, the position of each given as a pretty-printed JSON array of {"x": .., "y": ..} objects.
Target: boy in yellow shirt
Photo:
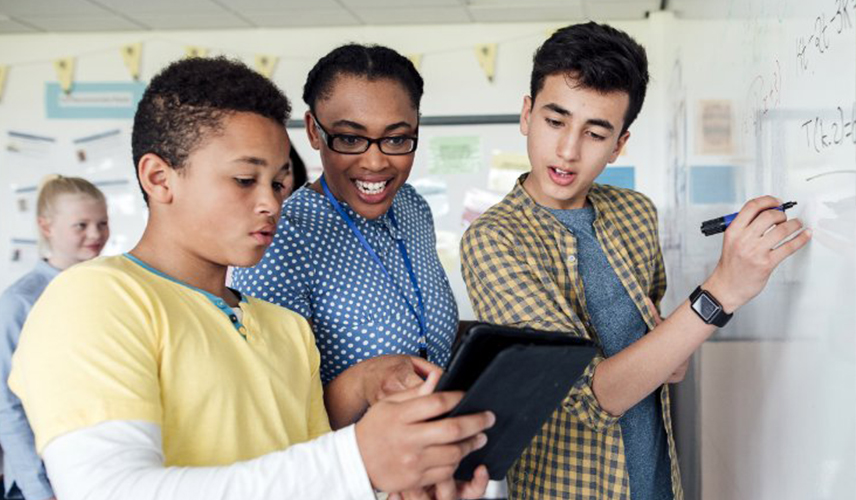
[{"x": 145, "y": 377}]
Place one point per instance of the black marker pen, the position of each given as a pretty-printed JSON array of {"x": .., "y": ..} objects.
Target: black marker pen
[{"x": 718, "y": 225}]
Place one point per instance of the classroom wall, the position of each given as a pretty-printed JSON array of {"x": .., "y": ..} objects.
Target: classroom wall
[{"x": 454, "y": 85}]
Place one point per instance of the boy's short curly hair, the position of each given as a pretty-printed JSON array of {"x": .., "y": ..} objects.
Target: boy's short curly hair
[
  {"x": 598, "y": 57},
  {"x": 186, "y": 102}
]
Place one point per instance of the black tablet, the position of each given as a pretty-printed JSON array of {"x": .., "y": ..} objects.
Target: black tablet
[{"x": 522, "y": 376}]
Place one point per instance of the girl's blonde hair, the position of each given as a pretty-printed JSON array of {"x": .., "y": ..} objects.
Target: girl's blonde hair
[{"x": 51, "y": 188}]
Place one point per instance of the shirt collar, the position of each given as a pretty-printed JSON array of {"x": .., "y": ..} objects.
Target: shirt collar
[
  {"x": 521, "y": 198},
  {"x": 383, "y": 221},
  {"x": 47, "y": 270}
]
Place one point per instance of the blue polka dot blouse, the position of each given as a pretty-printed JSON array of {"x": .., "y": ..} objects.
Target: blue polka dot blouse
[{"x": 317, "y": 268}]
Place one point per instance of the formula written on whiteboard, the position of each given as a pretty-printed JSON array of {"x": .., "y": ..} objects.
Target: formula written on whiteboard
[
  {"x": 823, "y": 134},
  {"x": 824, "y": 31}
]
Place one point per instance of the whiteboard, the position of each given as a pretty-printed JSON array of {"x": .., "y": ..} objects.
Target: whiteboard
[{"x": 776, "y": 391}]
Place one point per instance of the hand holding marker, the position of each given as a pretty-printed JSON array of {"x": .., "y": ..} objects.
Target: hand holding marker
[{"x": 718, "y": 225}]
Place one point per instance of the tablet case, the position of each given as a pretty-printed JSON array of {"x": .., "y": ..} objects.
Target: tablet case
[{"x": 521, "y": 376}]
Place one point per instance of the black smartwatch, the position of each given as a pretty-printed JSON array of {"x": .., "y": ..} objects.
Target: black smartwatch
[{"x": 708, "y": 308}]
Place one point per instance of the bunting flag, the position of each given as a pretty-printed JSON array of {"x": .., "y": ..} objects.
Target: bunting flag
[
  {"x": 65, "y": 73},
  {"x": 265, "y": 65},
  {"x": 486, "y": 54},
  {"x": 416, "y": 59},
  {"x": 192, "y": 51},
  {"x": 132, "y": 53},
  {"x": 3, "y": 70}
]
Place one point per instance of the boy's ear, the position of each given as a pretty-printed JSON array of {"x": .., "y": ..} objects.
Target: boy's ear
[
  {"x": 619, "y": 146},
  {"x": 44, "y": 224},
  {"x": 312, "y": 131},
  {"x": 155, "y": 176},
  {"x": 525, "y": 115}
]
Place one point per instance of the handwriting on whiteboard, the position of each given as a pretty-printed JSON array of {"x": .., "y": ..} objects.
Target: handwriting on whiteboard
[
  {"x": 821, "y": 134},
  {"x": 824, "y": 32}
]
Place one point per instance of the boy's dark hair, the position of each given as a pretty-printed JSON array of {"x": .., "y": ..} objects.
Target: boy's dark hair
[
  {"x": 373, "y": 62},
  {"x": 598, "y": 57},
  {"x": 187, "y": 101}
]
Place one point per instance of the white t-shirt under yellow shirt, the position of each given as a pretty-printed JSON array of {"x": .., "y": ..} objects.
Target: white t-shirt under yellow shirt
[{"x": 112, "y": 339}]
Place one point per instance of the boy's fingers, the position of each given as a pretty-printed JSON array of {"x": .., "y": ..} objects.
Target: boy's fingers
[
  {"x": 475, "y": 487},
  {"x": 751, "y": 210},
  {"x": 424, "y": 389},
  {"x": 423, "y": 367},
  {"x": 781, "y": 233},
  {"x": 785, "y": 250},
  {"x": 452, "y": 454},
  {"x": 766, "y": 220},
  {"x": 455, "y": 429},
  {"x": 446, "y": 490},
  {"x": 427, "y": 406}
]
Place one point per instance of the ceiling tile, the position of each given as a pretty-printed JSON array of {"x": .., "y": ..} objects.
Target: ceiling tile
[
  {"x": 522, "y": 3},
  {"x": 527, "y": 14},
  {"x": 302, "y": 18},
  {"x": 416, "y": 15},
  {"x": 10, "y": 26},
  {"x": 619, "y": 11},
  {"x": 162, "y": 7},
  {"x": 100, "y": 22},
  {"x": 33, "y": 8},
  {"x": 358, "y": 5},
  {"x": 192, "y": 21},
  {"x": 278, "y": 5},
  {"x": 702, "y": 9}
]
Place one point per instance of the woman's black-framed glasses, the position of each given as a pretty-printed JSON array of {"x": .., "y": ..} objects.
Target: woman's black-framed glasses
[{"x": 351, "y": 144}]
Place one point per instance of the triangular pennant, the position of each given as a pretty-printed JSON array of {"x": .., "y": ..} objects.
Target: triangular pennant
[
  {"x": 266, "y": 64},
  {"x": 3, "y": 71},
  {"x": 65, "y": 73},
  {"x": 132, "y": 54},
  {"x": 486, "y": 54},
  {"x": 416, "y": 59},
  {"x": 192, "y": 51}
]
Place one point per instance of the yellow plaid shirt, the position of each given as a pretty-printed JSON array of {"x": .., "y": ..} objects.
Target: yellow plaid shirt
[{"x": 520, "y": 267}]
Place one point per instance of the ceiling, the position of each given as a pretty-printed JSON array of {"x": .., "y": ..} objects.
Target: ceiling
[{"x": 51, "y": 16}]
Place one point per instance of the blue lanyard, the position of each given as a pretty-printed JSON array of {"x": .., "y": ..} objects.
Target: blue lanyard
[{"x": 420, "y": 312}]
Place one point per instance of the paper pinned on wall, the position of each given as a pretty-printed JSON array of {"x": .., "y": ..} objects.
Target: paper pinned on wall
[
  {"x": 29, "y": 151},
  {"x": 131, "y": 54},
  {"x": 65, "y": 72},
  {"x": 476, "y": 202},
  {"x": 505, "y": 168},
  {"x": 717, "y": 184},
  {"x": 486, "y": 55},
  {"x": 455, "y": 155},
  {"x": 194, "y": 51},
  {"x": 104, "y": 151},
  {"x": 416, "y": 59},
  {"x": 3, "y": 71},
  {"x": 715, "y": 130},
  {"x": 266, "y": 65},
  {"x": 435, "y": 192},
  {"x": 623, "y": 177}
]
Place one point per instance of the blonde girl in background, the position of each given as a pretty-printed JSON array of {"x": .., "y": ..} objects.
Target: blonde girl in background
[{"x": 72, "y": 221}]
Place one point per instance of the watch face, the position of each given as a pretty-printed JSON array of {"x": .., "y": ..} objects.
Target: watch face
[{"x": 705, "y": 307}]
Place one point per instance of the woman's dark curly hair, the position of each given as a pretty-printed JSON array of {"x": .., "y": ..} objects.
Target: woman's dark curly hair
[
  {"x": 373, "y": 62},
  {"x": 186, "y": 102}
]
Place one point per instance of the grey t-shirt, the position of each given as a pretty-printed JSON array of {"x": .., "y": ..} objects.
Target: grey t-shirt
[{"x": 618, "y": 324}]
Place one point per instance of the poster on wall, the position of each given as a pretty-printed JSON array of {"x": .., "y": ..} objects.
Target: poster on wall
[
  {"x": 93, "y": 100},
  {"x": 714, "y": 128}
]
